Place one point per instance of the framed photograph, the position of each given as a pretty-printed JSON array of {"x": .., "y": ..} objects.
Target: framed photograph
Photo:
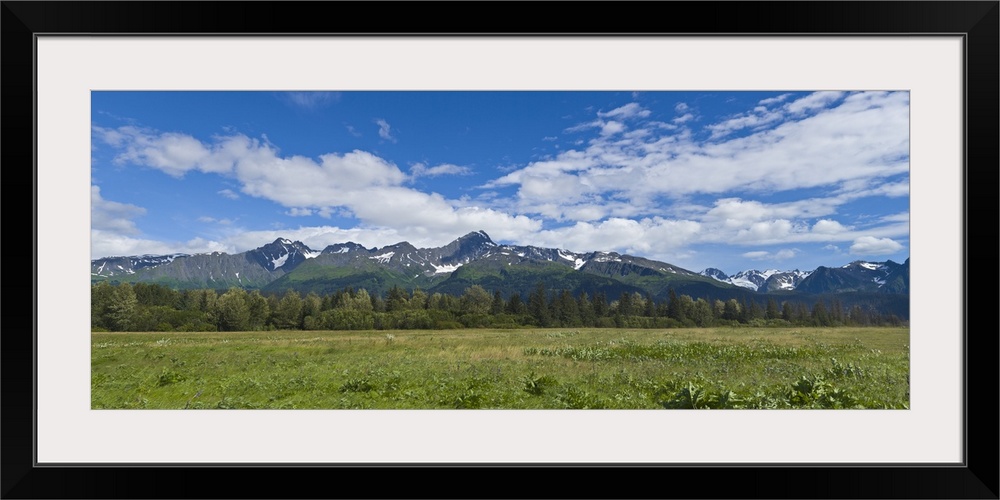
[{"x": 72, "y": 68}]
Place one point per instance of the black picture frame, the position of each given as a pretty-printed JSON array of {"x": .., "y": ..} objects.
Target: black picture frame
[{"x": 978, "y": 23}]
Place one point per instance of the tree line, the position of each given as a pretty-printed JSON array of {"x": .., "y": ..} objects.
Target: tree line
[{"x": 152, "y": 307}]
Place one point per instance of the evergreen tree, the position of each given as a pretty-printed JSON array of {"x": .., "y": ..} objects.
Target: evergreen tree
[
  {"x": 786, "y": 311},
  {"x": 569, "y": 314},
  {"x": 625, "y": 304},
  {"x": 836, "y": 312},
  {"x": 498, "y": 305},
  {"x": 650, "y": 306},
  {"x": 801, "y": 314},
  {"x": 378, "y": 305},
  {"x": 555, "y": 309},
  {"x": 674, "y": 306},
  {"x": 515, "y": 305},
  {"x": 396, "y": 299},
  {"x": 751, "y": 311},
  {"x": 857, "y": 316},
  {"x": 585, "y": 306},
  {"x": 208, "y": 298},
  {"x": 101, "y": 297},
  {"x": 772, "y": 309},
  {"x": 538, "y": 306},
  {"x": 600, "y": 303},
  {"x": 820, "y": 316}
]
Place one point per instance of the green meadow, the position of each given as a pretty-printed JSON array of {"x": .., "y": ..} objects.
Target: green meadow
[{"x": 600, "y": 368}]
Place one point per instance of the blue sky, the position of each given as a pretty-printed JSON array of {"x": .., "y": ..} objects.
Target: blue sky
[{"x": 732, "y": 180}]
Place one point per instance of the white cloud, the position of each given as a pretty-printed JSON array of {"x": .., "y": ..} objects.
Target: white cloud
[
  {"x": 174, "y": 154},
  {"x": 385, "y": 130},
  {"x": 299, "y": 212},
  {"x": 110, "y": 243},
  {"x": 785, "y": 253},
  {"x": 684, "y": 118},
  {"x": 611, "y": 128},
  {"x": 767, "y": 232},
  {"x": 615, "y": 191},
  {"x": 656, "y": 237},
  {"x": 310, "y": 100},
  {"x": 827, "y": 226},
  {"x": 900, "y": 217},
  {"x": 113, "y": 216},
  {"x": 893, "y": 190},
  {"x": 212, "y": 220},
  {"x": 367, "y": 186},
  {"x": 813, "y": 101},
  {"x": 863, "y": 138},
  {"x": 228, "y": 193},
  {"x": 630, "y": 110},
  {"x": 421, "y": 170},
  {"x": 549, "y": 138},
  {"x": 780, "y": 255},
  {"x": 869, "y": 245},
  {"x": 113, "y": 232},
  {"x": 774, "y": 100},
  {"x": 760, "y": 117},
  {"x": 681, "y": 107},
  {"x": 737, "y": 212}
]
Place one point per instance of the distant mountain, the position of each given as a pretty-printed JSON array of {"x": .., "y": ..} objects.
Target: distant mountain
[
  {"x": 859, "y": 276},
  {"x": 771, "y": 280},
  {"x": 475, "y": 259}
]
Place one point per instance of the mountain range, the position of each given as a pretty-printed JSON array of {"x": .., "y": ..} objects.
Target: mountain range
[{"x": 475, "y": 259}]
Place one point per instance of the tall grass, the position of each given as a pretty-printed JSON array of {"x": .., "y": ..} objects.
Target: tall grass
[{"x": 511, "y": 369}]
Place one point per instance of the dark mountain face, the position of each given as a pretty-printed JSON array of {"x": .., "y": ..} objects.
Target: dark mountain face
[
  {"x": 715, "y": 274},
  {"x": 859, "y": 276},
  {"x": 898, "y": 279},
  {"x": 475, "y": 259},
  {"x": 782, "y": 281},
  {"x": 281, "y": 253}
]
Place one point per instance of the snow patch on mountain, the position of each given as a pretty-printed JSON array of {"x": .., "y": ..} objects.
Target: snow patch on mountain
[
  {"x": 280, "y": 261},
  {"x": 447, "y": 268},
  {"x": 384, "y": 257}
]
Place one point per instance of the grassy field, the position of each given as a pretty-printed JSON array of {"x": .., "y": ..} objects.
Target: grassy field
[{"x": 510, "y": 369}]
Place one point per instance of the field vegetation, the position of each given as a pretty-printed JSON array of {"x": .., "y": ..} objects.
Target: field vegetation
[{"x": 574, "y": 368}]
